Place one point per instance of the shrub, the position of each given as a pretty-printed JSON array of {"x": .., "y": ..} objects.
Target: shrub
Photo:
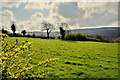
[
  {"x": 79, "y": 37},
  {"x": 76, "y": 36},
  {"x": 16, "y": 66},
  {"x": 59, "y": 37},
  {"x": 70, "y": 36}
]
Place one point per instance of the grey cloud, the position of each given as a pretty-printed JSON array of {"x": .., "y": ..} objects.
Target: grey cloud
[
  {"x": 99, "y": 14},
  {"x": 69, "y": 10},
  {"x": 10, "y": 4}
]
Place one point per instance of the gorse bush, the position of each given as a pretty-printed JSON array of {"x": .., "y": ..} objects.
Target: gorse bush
[{"x": 16, "y": 66}]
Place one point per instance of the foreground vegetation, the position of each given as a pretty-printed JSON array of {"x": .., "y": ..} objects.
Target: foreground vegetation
[
  {"x": 77, "y": 59},
  {"x": 14, "y": 65}
]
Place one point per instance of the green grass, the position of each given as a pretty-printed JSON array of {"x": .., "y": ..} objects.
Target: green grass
[{"x": 77, "y": 59}]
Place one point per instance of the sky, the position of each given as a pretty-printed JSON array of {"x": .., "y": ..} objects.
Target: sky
[{"x": 78, "y": 15}]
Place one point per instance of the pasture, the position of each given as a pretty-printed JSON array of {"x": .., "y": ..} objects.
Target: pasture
[{"x": 77, "y": 59}]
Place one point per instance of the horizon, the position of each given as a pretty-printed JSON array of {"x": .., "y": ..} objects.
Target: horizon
[{"x": 71, "y": 29}]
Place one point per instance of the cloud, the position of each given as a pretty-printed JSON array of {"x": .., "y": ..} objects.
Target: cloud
[
  {"x": 100, "y": 14},
  {"x": 77, "y": 15},
  {"x": 34, "y": 24},
  {"x": 38, "y": 5},
  {"x": 29, "y": 26},
  {"x": 7, "y": 17},
  {"x": 86, "y": 14},
  {"x": 10, "y": 4},
  {"x": 68, "y": 10},
  {"x": 114, "y": 24},
  {"x": 37, "y": 15}
]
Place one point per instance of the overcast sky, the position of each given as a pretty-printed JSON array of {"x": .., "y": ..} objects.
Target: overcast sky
[{"x": 29, "y": 15}]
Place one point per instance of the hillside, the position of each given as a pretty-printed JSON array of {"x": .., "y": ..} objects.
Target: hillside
[
  {"x": 105, "y": 32},
  {"x": 77, "y": 59}
]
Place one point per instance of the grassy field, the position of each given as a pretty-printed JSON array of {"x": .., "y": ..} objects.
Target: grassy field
[{"x": 77, "y": 59}]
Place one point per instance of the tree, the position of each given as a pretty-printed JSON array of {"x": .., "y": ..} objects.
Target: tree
[
  {"x": 62, "y": 32},
  {"x": 63, "y": 29},
  {"x": 4, "y": 31},
  {"x": 13, "y": 28},
  {"x": 48, "y": 27},
  {"x": 23, "y": 32}
]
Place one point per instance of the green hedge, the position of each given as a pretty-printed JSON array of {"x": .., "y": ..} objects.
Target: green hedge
[{"x": 79, "y": 37}]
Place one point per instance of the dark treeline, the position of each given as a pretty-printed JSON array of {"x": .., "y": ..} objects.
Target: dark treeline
[{"x": 64, "y": 34}]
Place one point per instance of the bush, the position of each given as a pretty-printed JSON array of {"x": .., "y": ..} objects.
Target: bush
[
  {"x": 70, "y": 36},
  {"x": 93, "y": 39},
  {"x": 79, "y": 37},
  {"x": 76, "y": 37},
  {"x": 16, "y": 66},
  {"x": 15, "y": 35},
  {"x": 59, "y": 37}
]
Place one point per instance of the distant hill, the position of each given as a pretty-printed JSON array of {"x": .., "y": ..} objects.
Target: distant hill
[{"x": 106, "y": 32}]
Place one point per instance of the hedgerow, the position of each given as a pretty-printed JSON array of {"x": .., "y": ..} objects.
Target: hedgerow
[{"x": 79, "y": 37}]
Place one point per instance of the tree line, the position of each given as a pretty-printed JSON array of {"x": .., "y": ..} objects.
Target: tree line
[
  {"x": 64, "y": 32},
  {"x": 45, "y": 26}
]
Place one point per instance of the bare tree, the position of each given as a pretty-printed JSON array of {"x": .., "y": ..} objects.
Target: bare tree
[
  {"x": 64, "y": 25},
  {"x": 48, "y": 27}
]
